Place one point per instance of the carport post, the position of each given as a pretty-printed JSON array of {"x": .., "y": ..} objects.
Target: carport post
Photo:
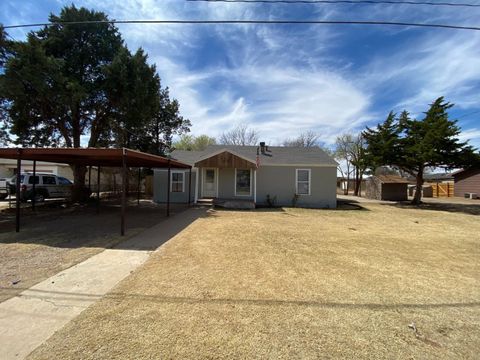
[
  {"x": 90, "y": 178},
  {"x": 189, "y": 185},
  {"x": 98, "y": 188},
  {"x": 33, "y": 186},
  {"x": 168, "y": 188},
  {"x": 124, "y": 190},
  {"x": 138, "y": 186},
  {"x": 17, "y": 190}
]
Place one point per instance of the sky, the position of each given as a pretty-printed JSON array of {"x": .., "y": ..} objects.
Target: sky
[{"x": 282, "y": 80}]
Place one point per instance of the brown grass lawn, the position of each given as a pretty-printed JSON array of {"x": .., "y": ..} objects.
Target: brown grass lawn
[
  {"x": 295, "y": 283},
  {"x": 54, "y": 240}
]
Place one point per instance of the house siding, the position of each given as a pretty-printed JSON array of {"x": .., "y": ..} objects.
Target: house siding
[
  {"x": 226, "y": 185},
  {"x": 467, "y": 182},
  {"x": 160, "y": 184},
  {"x": 279, "y": 182}
]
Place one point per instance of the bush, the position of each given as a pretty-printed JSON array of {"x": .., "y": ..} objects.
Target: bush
[{"x": 271, "y": 201}]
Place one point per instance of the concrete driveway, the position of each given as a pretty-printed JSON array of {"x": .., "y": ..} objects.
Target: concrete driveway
[{"x": 30, "y": 318}]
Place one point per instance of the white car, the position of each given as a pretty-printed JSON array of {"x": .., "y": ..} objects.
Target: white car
[{"x": 46, "y": 186}]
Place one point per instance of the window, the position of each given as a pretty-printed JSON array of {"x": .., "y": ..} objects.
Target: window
[
  {"x": 243, "y": 182},
  {"x": 303, "y": 182},
  {"x": 63, "y": 181},
  {"x": 177, "y": 181},
  {"x": 48, "y": 180},
  {"x": 30, "y": 179}
]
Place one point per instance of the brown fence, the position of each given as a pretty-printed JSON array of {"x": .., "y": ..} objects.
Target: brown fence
[{"x": 443, "y": 190}]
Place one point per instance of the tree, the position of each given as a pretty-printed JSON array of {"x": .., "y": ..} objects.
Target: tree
[
  {"x": 77, "y": 84},
  {"x": 359, "y": 161},
  {"x": 4, "y": 54},
  {"x": 55, "y": 82},
  {"x": 413, "y": 145},
  {"x": 350, "y": 150},
  {"x": 145, "y": 117},
  {"x": 342, "y": 154},
  {"x": 240, "y": 135},
  {"x": 307, "y": 139},
  {"x": 194, "y": 143}
]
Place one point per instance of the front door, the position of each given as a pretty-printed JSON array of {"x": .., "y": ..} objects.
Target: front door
[{"x": 209, "y": 183}]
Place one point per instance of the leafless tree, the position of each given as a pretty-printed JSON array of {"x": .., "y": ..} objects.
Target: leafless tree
[
  {"x": 307, "y": 139},
  {"x": 240, "y": 135},
  {"x": 343, "y": 155},
  {"x": 350, "y": 150}
]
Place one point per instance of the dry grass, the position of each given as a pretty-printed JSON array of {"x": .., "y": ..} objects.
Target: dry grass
[
  {"x": 56, "y": 239},
  {"x": 294, "y": 284}
]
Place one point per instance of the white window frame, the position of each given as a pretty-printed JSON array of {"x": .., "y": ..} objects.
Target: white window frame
[
  {"x": 235, "y": 183},
  {"x": 171, "y": 181},
  {"x": 309, "y": 181}
]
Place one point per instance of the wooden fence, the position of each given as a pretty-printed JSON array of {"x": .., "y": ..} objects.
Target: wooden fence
[{"x": 443, "y": 189}]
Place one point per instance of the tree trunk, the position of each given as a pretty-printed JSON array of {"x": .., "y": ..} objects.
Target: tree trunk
[
  {"x": 417, "y": 199},
  {"x": 348, "y": 181},
  {"x": 357, "y": 183},
  {"x": 78, "y": 192}
]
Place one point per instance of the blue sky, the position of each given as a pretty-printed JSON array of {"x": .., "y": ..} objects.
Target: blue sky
[{"x": 286, "y": 79}]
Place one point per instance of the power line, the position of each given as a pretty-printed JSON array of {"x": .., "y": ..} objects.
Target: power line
[
  {"x": 355, "y": 2},
  {"x": 277, "y": 22}
]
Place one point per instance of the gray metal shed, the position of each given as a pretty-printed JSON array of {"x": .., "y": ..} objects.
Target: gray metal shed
[{"x": 387, "y": 187}]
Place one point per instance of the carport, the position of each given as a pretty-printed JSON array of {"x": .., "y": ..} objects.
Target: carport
[{"x": 100, "y": 157}]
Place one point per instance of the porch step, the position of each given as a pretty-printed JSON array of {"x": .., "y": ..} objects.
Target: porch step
[{"x": 205, "y": 201}]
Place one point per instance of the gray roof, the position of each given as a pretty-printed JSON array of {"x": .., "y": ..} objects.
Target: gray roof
[
  {"x": 276, "y": 155},
  {"x": 438, "y": 176}
]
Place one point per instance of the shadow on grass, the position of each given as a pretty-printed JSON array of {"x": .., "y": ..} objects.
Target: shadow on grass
[
  {"x": 471, "y": 209},
  {"x": 343, "y": 204},
  {"x": 60, "y": 295},
  {"x": 82, "y": 226}
]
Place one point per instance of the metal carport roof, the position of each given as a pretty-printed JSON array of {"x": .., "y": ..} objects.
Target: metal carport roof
[{"x": 92, "y": 156}]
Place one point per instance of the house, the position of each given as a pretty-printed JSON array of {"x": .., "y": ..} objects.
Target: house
[
  {"x": 467, "y": 182},
  {"x": 286, "y": 176},
  {"x": 387, "y": 187}
]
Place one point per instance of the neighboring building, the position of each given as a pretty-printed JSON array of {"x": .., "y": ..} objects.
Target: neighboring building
[
  {"x": 387, "y": 187},
  {"x": 8, "y": 168},
  {"x": 467, "y": 182},
  {"x": 306, "y": 176}
]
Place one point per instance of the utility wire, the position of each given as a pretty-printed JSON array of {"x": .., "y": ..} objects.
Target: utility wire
[
  {"x": 278, "y": 22},
  {"x": 354, "y": 2}
]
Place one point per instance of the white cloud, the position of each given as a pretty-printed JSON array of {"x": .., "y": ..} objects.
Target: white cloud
[
  {"x": 286, "y": 80},
  {"x": 472, "y": 136}
]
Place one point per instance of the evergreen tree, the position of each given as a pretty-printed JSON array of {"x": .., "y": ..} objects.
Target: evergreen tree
[
  {"x": 413, "y": 145},
  {"x": 77, "y": 85}
]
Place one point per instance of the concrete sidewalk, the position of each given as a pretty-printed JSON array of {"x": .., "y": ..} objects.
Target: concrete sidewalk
[{"x": 30, "y": 318}]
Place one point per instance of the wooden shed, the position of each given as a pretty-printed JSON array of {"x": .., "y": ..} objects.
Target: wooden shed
[
  {"x": 387, "y": 187},
  {"x": 467, "y": 182}
]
